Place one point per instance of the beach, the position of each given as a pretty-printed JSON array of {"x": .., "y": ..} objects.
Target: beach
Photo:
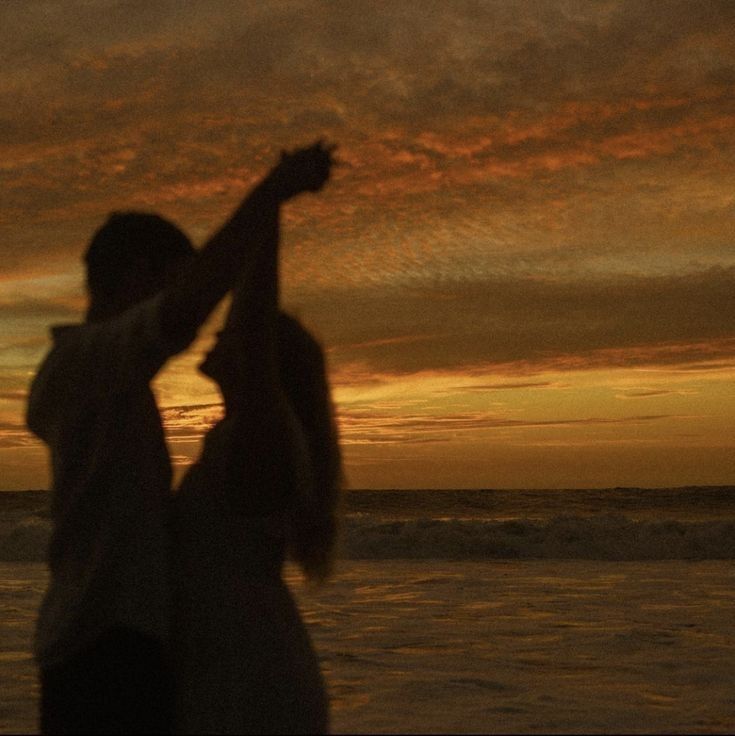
[
  {"x": 454, "y": 280},
  {"x": 484, "y": 611},
  {"x": 491, "y": 646}
]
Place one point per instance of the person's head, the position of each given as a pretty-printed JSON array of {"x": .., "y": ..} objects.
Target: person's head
[
  {"x": 130, "y": 258},
  {"x": 303, "y": 378}
]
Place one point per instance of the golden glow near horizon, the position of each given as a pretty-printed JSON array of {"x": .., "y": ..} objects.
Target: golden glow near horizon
[{"x": 523, "y": 273}]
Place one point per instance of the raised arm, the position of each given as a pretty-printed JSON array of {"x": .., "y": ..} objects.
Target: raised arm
[
  {"x": 231, "y": 255},
  {"x": 250, "y": 322}
]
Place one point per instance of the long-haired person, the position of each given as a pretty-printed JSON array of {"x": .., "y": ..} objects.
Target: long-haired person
[{"x": 265, "y": 488}]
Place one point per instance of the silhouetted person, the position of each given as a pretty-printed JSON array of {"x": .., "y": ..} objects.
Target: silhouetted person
[
  {"x": 103, "y": 623},
  {"x": 265, "y": 485}
]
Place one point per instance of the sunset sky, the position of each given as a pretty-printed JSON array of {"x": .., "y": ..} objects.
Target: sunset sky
[{"x": 523, "y": 274}]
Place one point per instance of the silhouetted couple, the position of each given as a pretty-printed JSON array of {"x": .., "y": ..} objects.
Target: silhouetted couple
[{"x": 169, "y": 615}]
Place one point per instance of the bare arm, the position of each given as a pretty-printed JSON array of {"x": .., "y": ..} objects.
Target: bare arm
[
  {"x": 252, "y": 315},
  {"x": 231, "y": 255}
]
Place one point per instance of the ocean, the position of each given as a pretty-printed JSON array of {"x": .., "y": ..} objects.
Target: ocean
[
  {"x": 486, "y": 611},
  {"x": 604, "y": 524}
]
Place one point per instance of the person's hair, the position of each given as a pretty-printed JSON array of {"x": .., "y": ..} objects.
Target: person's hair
[
  {"x": 121, "y": 243},
  {"x": 313, "y": 529}
]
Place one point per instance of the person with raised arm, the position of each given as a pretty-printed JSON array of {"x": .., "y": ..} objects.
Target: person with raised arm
[
  {"x": 265, "y": 488},
  {"x": 102, "y": 631}
]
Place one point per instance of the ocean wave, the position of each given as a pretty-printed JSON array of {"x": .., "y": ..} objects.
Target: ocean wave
[
  {"x": 26, "y": 540},
  {"x": 604, "y": 537}
]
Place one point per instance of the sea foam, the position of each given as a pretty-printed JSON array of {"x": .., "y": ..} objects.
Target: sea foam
[
  {"x": 603, "y": 537},
  {"x": 25, "y": 540}
]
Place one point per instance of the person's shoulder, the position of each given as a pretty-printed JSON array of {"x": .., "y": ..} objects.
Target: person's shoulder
[
  {"x": 129, "y": 334},
  {"x": 57, "y": 371},
  {"x": 99, "y": 348},
  {"x": 144, "y": 311}
]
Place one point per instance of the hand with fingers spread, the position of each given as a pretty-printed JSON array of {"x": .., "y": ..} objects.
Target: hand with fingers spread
[{"x": 305, "y": 170}]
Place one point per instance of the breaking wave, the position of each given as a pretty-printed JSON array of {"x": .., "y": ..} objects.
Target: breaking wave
[
  {"x": 25, "y": 540},
  {"x": 604, "y": 537}
]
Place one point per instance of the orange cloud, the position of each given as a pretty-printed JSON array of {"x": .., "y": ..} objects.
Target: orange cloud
[
  {"x": 369, "y": 426},
  {"x": 525, "y": 187}
]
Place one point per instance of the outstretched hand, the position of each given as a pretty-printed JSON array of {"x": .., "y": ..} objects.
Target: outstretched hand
[{"x": 304, "y": 170}]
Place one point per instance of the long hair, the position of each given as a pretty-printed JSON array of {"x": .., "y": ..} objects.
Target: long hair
[{"x": 313, "y": 521}]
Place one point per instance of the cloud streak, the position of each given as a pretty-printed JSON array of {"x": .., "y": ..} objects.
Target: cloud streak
[
  {"x": 612, "y": 321},
  {"x": 180, "y": 110},
  {"x": 369, "y": 427},
  {"x": 528, "y": 187}
]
